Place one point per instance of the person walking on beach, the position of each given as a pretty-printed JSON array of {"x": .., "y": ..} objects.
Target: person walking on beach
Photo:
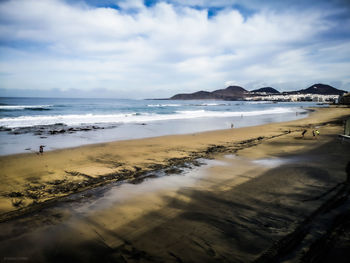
[
  {"x": 231, "y": 125},
  {"x": 303, "y": 133},
  {"x": 315, "y": 133}
]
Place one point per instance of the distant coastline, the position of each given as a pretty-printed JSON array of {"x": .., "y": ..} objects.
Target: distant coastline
[{"x": 317, "y": 92}]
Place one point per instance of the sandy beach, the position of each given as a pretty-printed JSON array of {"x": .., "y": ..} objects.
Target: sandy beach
[
  {"x": 267, "y": 194},
  {"x": 174, "y": 131}
]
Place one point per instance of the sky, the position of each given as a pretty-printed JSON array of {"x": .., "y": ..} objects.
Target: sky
[{"x": 155, "y": 49}]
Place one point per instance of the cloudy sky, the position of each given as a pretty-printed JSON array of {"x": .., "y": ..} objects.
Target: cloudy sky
[{"x": 143, "y": 49}]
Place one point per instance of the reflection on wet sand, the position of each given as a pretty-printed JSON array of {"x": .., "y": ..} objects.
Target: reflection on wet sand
[{"x": 226, "y": 210}]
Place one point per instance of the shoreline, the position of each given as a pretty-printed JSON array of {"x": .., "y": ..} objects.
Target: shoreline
[
  {"x": 61, "y": 135},
  {"x": 307, "y": 112},
  {"x": 43, "y": 180}
]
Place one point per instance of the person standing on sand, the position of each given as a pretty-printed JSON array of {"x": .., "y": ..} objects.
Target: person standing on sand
[
  {"x": 231, "y": 125},
  {"x": 41, "y": 149}
]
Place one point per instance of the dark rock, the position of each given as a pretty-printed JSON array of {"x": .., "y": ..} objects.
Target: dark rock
[
  {"x": 17, "y": 202},
  {"x": 173, "y": 170},
  {"x": 5, "y": 129},
  {"x": 32, "y": 195},
  {"x": 137, "y": 169},
  {"x": 56, "y": 182},
  {"x": 15, "y": 194},
  {"x": 215, "y": 148},
  {"x": 197, "y": 163}
]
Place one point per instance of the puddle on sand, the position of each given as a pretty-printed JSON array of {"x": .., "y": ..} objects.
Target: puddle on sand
[
  {"x": 275, "y": 162},
  {"x": 158, "y": 181},
  {"x": 188, "y": 177},
  {"x": 267, "y": 162},
  {"x": 271, "y": 162}
]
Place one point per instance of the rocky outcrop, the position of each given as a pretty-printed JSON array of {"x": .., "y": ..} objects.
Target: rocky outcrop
[{"x": 230, "y": 93}]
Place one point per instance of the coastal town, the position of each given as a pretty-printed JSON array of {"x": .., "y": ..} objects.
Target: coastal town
[{"x": 293, "y": 97}]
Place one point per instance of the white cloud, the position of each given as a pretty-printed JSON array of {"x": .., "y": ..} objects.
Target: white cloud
[{"x": 162, "y": 49}]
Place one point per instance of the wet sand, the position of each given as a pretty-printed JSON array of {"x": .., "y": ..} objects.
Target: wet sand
[
  {"x": 29, "y": 179},
  {"x": 236, "y": 209}
]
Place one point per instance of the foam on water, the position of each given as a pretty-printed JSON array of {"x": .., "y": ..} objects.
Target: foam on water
[
  {"x": 211, "y": 104},
  {"x": 23, "y": 107},
  {"x": 179, "y": 105},
  {"x": 164, "y": 105},
  {"x": 78, "y": 119}
]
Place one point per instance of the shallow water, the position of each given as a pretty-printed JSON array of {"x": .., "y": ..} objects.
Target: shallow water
[
  {"x": 27, "y": 123},
  {"x": 156, "y": 181}
]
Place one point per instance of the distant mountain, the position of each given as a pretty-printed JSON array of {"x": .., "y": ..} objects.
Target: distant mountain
[
  {"x": 230, "y": 93},
  {"x": 239, "y": 93},
  {"x": 267, "y": 90},
  {"x": 199, "y": 95},
  {"x": 321, "y": 89}
]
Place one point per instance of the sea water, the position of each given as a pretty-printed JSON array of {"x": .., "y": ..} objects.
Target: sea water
[{"x": 27, "y": 123}]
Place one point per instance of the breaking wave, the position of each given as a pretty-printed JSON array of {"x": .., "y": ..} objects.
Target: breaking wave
[
  {"x": 25, "y": 107},
  {"x": 80, "y": 119}
]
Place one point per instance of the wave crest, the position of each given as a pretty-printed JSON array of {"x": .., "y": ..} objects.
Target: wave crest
[
  {"x": 27, "y": 121},
  {"x": 25, "y": 107}
]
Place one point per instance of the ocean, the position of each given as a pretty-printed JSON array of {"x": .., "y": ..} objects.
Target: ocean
[{"x": 27, "y": 123}]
